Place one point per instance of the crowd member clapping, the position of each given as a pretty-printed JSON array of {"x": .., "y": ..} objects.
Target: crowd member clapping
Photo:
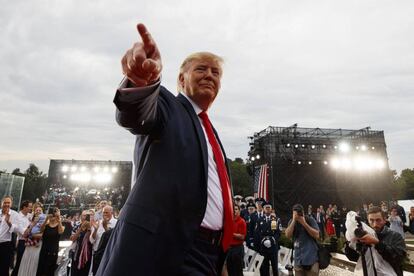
[
  {"x": 82, "y": 248},
  {"x": 98, "y": 228},
  {"x": 50, "y": 231}
]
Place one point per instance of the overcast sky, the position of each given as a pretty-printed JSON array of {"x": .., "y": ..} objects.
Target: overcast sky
[{"x": 334, "y": 64}]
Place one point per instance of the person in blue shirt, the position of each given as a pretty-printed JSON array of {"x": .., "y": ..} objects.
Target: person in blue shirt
[{"x": 304, "y": 231}]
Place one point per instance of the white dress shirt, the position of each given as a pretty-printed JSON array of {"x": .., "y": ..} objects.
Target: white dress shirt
[
  {"x": 99, "y": 232},
  {"x": 6, "y": 230},
  {"x": 24, "y": 222}
]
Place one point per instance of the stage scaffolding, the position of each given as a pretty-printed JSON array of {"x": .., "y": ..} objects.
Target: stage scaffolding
[{"x": 301, "y": 161}]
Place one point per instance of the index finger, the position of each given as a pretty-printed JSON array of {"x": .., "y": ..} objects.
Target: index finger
[{"x": 145, "y": 35}]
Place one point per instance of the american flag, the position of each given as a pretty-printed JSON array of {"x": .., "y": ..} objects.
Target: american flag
[{"x": 261, "y": 183}]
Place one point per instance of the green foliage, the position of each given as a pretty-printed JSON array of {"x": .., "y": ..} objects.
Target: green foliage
[
  {"x": 241, "y": 180},
  {"x": 404, "y": 184},
  {"x": 35, "y": 182}
]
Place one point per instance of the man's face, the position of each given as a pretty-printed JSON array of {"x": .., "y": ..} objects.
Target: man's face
[
  {"x": 107, "y": 214},
  {"x": 412, "y": 210},
  {"x": 259, "y": 207},
  {"x": 376, "y": 221},
  {"x": 6, "y": 204},
  {"x": 201, "y": 81},
  {"x": 236, "y": 211},
  {"x": 251, "y": 210},
  {"x": 268, "y": 209},
  {"x": 30, "y": 207}
]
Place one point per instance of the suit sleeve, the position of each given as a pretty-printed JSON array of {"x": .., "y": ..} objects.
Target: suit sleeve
[{"x": 137, "y": 107}]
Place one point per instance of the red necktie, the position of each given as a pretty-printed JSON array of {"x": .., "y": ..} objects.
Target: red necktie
[{"x": 224, "y": 182}]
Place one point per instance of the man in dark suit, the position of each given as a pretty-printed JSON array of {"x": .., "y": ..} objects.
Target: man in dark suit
[{"x": 177, "y": 219}]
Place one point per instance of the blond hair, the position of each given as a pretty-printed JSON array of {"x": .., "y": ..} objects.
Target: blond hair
[{"x": 196, "y": 56}]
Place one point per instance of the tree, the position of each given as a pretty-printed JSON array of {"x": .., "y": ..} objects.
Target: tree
[
  {"x": 34, "y": 184},
  {"x": 242, "y": 182},
  {"x": 404, "y": 184}
]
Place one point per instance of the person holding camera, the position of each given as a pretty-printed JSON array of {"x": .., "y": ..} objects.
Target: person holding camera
[
  {"x": 389, "y": 244},
  {"x": 81, "y": 259},
  {"x": 50, "y": 231},
  {"x": 268, "y": 229},
  {"x": 304, "y": 231}
]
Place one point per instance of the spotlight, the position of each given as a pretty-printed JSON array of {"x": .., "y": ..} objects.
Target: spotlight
[
  {"x": 373, "y": 148},
  {"x": 325, "y": 162},
  {"x": 303, "y": 146},
  {"x": 65, "y": 168},
  {"x": 296, "y": 146},
  {"x": 83, "y": 168},
  {"x": 299, "y": 162},
  {"x": 379, "y": 164},
  {"x": 73, "y": 169},
  {"x": 252, "y": 158},
  {"x": 102, "y": 178},
  {"x": 313, "y": 147},
  {"x": 258, "y": 157},
  {"x": 364, "y": 148},
  {"x": 96, "y": 169},
  {"x": 310, "y": 162},
  {"x": 335, "y": 163},
  {"x": 288, "y": 145},
  {"x": 65, "y": 176},
  {"x": 106, "y": 169},
  {"x": 114, "y": 170},
  {"x": 357, "y": 147},
  {"x": 324, "y": 146},
  {"x": 344, "y": 147},
  {"x": 335, "y": 147}
]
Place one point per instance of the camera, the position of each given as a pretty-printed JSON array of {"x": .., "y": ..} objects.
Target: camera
[
  {"x": 359, "y": 231},
  {"x": 299, "y": 209},
  {"x": 88, "y": 217}
]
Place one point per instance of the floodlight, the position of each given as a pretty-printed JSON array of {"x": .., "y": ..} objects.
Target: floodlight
[
  {"x": 102, "y": 178},
  {"x": 258, "y": 157},
  {"x": 296, "y": 146},
  {"x": 65, "y": 176},
  {"x": 357, "y": 147},
  {"x": 299, "y": 162},
  {"x": 364, "y": 148},
  {"x": 252, "y": 158},
  {"x": 73, "y": 169},
  {"x": 83, "y": 168},
  {"x": 379, "y": 164},
  {"x": 96, "y": 169},
  {"x": 373, "y": 148},
  {"x": 65, "y": 168},
  {"x": 325, "y": 162},
  {"x": 324, "y": 146},
  {"x": 344, "y": 147},
  {"x": 303, "y": 145},
  {"x": 114, "y": 170},
  {"x": 106, "y": 169},
  {"x": 313, "y": 147},
  {"x": 310, "y": 162},
  {"x": 335, "y": 163},
  {"x": 288, "y": 145},
  {"x": 335, "y": 147}
]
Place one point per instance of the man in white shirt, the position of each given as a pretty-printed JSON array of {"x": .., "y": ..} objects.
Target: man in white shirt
[
  {"x": 107, "y": 222},
  {"x": 9, "y": 223},
  {"x": 25, "y": 215}
]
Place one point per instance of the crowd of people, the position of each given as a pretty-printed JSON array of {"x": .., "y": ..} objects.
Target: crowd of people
[{"x": 29, "y": 239}]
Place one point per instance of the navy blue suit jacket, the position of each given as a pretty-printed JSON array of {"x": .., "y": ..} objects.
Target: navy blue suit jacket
[{"x": 166, "y": 206}]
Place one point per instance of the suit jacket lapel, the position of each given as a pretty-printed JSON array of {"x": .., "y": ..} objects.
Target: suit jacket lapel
[{"x": 200, "y": 134}]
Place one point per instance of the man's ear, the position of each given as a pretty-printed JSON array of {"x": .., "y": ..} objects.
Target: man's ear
[{"x": 181, "y": 80}]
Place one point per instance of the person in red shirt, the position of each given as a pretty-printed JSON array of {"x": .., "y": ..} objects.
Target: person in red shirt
[{"x": 236, "y": 252}]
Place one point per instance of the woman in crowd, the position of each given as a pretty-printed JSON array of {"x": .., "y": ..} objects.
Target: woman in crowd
[
  {"x": 51, "y": 231},
  {"x": 33, "y": 238},
  {"x": 330, "y": 229},
  {"x": 396, "y": 223}
]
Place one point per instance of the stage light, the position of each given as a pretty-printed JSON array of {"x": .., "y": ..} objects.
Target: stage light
[
  {"x": 335, "y": 147},
  {"x": 357, "y": 147},
  {"x": 313, "y": 147},
  {"x": 324, "y": 146},
  {"x": 299, "y": 162},
  {"x": 114, "y": 170},
  {"x": 379, "y": 164},
  {"x": 296, "y": 146},
  {"x": 364, "y": 148},
  {"x": 65, "y": 168},
  {"x": 106, "y": 169},
  {"x": 335, "y": 163},
  {"x": 65, "y": 176},
  {"x": 83, "y": 168},
  {"x": 252, "y": 158},
  {"x": 346, "y": 163},
  {"x": 258, "y": 157},
  {"x": 373, "y": 148},
  {"x": 73, "y": 169},
  {"x": 81, "y": 177},
  {"x": 96, "y": 169},
  {"x": 102, "y": 178},
  {"x": 303, "y": 145},
  {"x": 288, "y": 145},
  {"x": 76, "y": 189},
  {"x": 344, "y": 147},
  {"x": 310, "y": 162},
  {"x": 325, "y": 162}
]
